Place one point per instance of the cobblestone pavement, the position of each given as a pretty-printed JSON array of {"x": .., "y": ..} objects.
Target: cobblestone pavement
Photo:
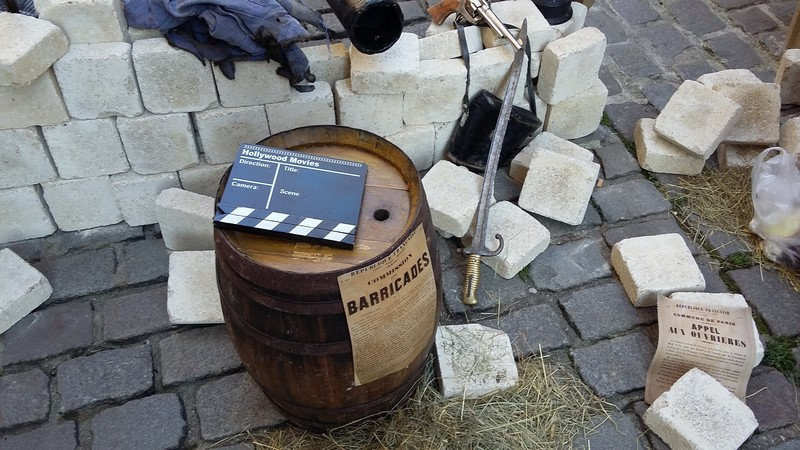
[{"x": 100, "y": 366}]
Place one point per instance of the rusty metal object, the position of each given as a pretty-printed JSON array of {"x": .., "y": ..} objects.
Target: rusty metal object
[{"x": 373, "y": 26}]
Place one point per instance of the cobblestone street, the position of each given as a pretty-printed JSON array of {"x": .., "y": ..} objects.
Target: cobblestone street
[{"x": 100, "y": 362}]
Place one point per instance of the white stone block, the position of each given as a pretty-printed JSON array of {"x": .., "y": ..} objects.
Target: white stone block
[
  {"x": 192, "y": 293},
  {"x": 303, "y": 109},
  {"x": 174, "y": 80},
  {"x": 735, "y": 155},
  {"x": 761, "y": 110},
  {"x": 38, "y": 103},
  {"x": 721, "y": 299},
  {"x": 438, "y": 93},
  {"x": 389, "y": 72},
  {"x": 658, "y": 155},
  {"x": 575, "y": 23},
  {"x": 36, "y": 44},
  {"x": 514, "y": 13},
  {"x": 728, "y": 76},
  {"x": 256, "y": 83},
  {"x": 653, "y": 265},
  {"x": 81, "y": 203},
  {"x": 417, "y": 142},
  {"x": 524, "y": 239},
  {"x": 137, "y": 34},
  {"x": 788, "y": 76},
  {"x": 22, "y": 289},
  {"x": 570, "y": 65},
  {"x": 86, "y": 148},
  {"x": 488, "y": 69},
  {"x": 445, "y": 45},
  {"x": 155, "y": 144},
  {"x": 579, "y": 115},
  {"x": 453, "y": 194},
  {"x": 448, "y": 24},
  {"x": 698, "y": 412},
  {"x": 185, "y": 219},
  {"x": 30, "y": 218},
  {"x": 380, "y": 114},
  {"x": 558, "y": 186},
  {"x": 697, "y": 118},
  {"x": 97, "y": 80},
  {"x": 444, "y": 133},
  {"x": 23, "y": 159},
  {"x": 86, "y": 21},
  {"x": 328, "y": 65},
  {"x": 203, "y": 179},
  {"x": 474, "y": 360},
  {"x": 222, "y": 130},
  {"x": 790, "y": 135},
  {"x": 545, "y": 141},
  {"x": 136, "y": 195}
]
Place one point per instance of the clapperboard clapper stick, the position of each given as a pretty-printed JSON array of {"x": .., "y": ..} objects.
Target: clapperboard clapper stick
[
  {"x": 478, "y": 248},
  {"x": 300, "y": 196}
]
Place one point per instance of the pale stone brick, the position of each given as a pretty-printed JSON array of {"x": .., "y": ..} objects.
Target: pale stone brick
[
  {"x": 86, "y": 21},
  {"x": 579, "y": 115},
  {"x": 155, "y": 144},
  {"x": 474, "y": 360},
  {"x": 728, "y": 76},
  {"x": 192, "y": 293},
  {"x": 448, "y": 24},
  {"x": 575, "y": 23},
  {"x": 203, "y": 179},
  {"x": 174, "y": 80},
  {"x": 86, "y": 148},
  {"x": 38, "y": 103},
  {"x": 35, "y": 46},
  {"x": 698, "y": 412},
  {"x": 761, "y": 110},
  {"x": 136, "y": 195},
  {"x": 721, "y": 299},
  {"x": 443, "y": 134},
  {"x": 524, "y": 239},
  {"x": 417, "y": 142},
  {"x": 658, "y": 155},
  {"x": 558, "y": 186},
  {"x": 327, "y": 65},
  {"x": 303, "y": 109},
  {"x": 489, "y": 69},
  {"x": 649, "y": 266},
  {"x": 30, "y": 218},
  {"x": 81, "y": 203},
  {"x": 97, "y": 80},
  {"x": 546, "y": 141},
  {"x": 697, "y": 118},
  {"x": 790, "y": 135},
  {"x": 438, "y": 94},
  {"x": 453, "y": 194},
  {"x": 445, "y": 45},
  {"x": 788, "y": 76},
  {"x": 24, "y": 159},
  {"x": 222, "y": 130},
  {"x": 380, "y": 114},
  {"x": 137, "y": 34},
  {"x": 735, "y": 155},
  {"x": 514, "y": 13},
  {"x": 570, "y": 65},
  {"x": 22, "y": 289},
  {"x": 256, "y": 83},
  {"x": 389, "y": 72},
  {"x": 185, "y": 219}
]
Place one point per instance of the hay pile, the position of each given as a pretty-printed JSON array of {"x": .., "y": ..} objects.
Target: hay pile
[{"x": 545, "y": 410}]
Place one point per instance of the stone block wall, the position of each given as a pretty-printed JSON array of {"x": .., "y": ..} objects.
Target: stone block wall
[{"x": 122, "y": 115}]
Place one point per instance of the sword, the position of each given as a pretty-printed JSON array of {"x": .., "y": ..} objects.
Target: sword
[{"x": 478, "y": 248}]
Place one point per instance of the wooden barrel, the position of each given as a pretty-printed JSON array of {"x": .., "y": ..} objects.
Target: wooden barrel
[{"x": 281, "y": 298}]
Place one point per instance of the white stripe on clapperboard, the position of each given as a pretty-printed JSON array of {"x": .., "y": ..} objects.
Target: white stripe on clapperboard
[
  {"x": 236, "y": 216},
  {"x": 274, "y": 219}
]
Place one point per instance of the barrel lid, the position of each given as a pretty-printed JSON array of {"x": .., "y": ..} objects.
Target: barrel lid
[{"x": 390, "y": 204}]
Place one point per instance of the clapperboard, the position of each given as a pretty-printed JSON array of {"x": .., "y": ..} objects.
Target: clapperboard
[{"x": 280, "y": 192}]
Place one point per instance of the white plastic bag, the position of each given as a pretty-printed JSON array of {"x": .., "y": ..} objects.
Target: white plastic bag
[{"x": 776, "y": 204}]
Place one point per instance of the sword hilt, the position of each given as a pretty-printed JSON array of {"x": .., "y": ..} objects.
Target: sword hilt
[{"x": 470, "y": 291}]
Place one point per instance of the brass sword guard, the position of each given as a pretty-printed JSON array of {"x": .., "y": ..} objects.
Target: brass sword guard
[{"x": 469, "y": 294}]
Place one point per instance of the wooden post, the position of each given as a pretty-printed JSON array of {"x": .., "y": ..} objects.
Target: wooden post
[{"x": 793, "y": 37}]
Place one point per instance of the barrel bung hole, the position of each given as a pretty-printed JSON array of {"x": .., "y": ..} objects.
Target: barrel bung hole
[{"x": 380, "y": 215}]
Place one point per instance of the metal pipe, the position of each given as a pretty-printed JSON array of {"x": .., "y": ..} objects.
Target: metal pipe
[{"x": 373, "y": 26}]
